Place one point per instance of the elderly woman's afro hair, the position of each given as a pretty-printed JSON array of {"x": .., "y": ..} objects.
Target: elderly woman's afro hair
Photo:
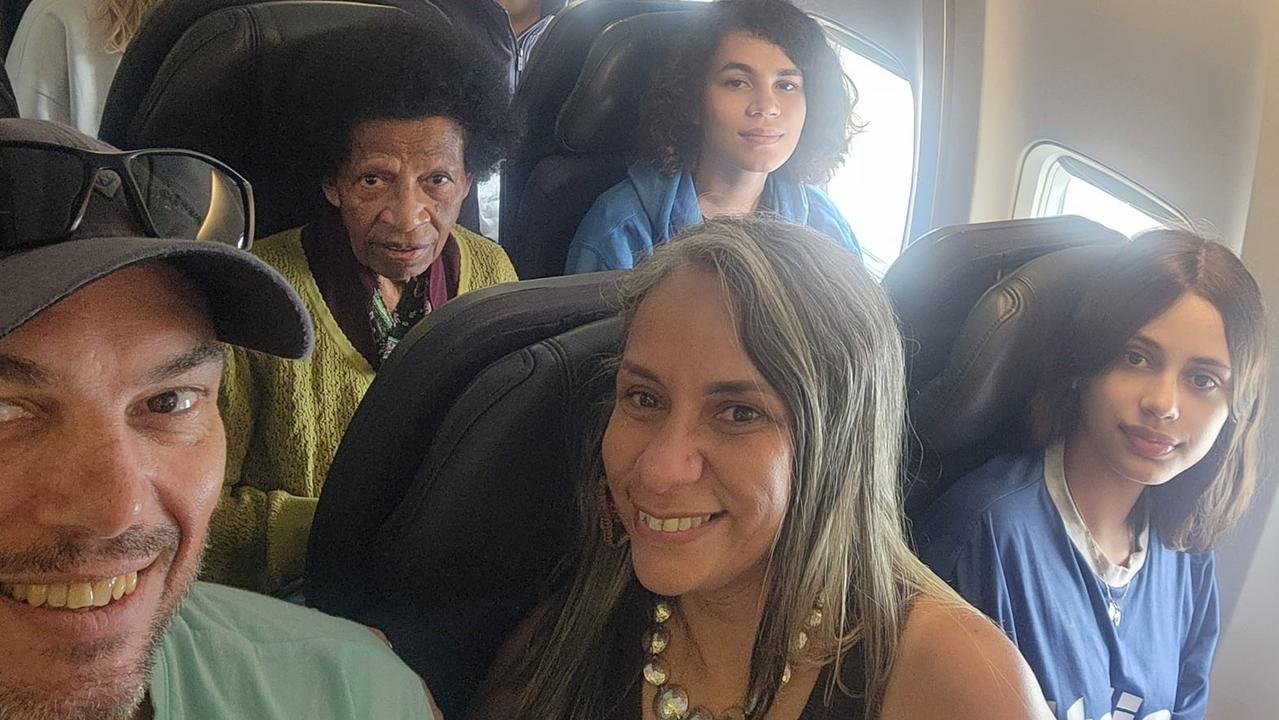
[{"x": 414, "y": 70}]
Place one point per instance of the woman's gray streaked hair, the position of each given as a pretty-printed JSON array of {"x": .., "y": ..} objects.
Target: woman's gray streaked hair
[{"x": 821, "y": 332}]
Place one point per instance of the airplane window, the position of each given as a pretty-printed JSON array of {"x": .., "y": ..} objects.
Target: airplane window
[
  {"x": 1068, "y": 183},
  {"x": 872, "y": 189},
  {"x": 1083, "y": 198}
]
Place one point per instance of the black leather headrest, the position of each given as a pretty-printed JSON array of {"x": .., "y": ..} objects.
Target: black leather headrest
[
  {"x": 974, "y": 303},
  {"x": 554, "y": 66},
  {"x": 939, "y": 277},
  {"x": 601, "y": 111},
  {"x": 452, "y": 494},
  {"x": 8, "y": 105},
  {"x": 160, "y": 33},
  {"x": 998, "y": 353},
  {"x": 11, "y": 12},
  {"x": 243, "y": 84},
  {"x": 492, "y": 509}
]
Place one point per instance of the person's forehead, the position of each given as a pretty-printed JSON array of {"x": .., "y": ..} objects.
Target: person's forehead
[
  {"x": 741, "y": 46},
  {"x": 689, "y": 306},
  {"x": 697, "y": 291},
  {"x": 1191, "y": 326},
  {"x": 420, "y": 136},
  {"x": 140, "y": 308}
]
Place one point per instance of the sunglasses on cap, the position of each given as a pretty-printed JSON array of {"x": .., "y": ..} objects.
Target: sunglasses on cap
[{"x": 46, "y": 189}]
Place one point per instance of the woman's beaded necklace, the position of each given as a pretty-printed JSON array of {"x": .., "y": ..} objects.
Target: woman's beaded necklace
[{"x": 670, "y": 701}]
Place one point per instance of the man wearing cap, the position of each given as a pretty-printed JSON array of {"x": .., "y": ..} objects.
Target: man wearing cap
[{"x": 113, "y": 450}]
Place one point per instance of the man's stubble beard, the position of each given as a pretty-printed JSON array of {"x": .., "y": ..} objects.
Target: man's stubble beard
[{"x": 23, "y": 702}]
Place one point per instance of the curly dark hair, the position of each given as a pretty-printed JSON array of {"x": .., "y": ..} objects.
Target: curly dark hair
[
  {"x": 670, "y": 130},
  {"x": 411, "y": 70}
]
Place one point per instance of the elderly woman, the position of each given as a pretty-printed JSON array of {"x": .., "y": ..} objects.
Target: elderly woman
[
  {"x": 415, "y": 124},
  {"x": 742, "y": 553}
]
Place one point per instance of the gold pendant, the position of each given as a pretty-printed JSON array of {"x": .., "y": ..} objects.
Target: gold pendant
[{"x": 1115, "y": 615}]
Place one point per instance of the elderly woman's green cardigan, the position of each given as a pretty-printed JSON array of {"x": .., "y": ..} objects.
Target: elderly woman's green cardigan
[{"x": 284, "y": 420}]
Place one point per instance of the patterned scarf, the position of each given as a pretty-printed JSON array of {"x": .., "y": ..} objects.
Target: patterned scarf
[{"x": 390, "y": 326}]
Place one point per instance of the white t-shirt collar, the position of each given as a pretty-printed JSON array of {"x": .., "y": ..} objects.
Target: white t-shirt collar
[{"x": 1116, "y": 576}]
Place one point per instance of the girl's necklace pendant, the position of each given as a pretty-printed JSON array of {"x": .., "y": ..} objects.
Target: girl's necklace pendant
[{"x": 1115, "y": 615}]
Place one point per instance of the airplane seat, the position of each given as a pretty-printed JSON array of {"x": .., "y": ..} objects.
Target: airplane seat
[
  {"x": 451, "y": 497},
  {"x": 978, "y": 306},
  {"x": 8, "y": 104},
  {"x": 160, "y": 32},
  {"x": 237, "y": 85},
  {"x": 245, "y": 84},
  {"x": 11, "y": 12},
  {"x": 579, "y": 101}
]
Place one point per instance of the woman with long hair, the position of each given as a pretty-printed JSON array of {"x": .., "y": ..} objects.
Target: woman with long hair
[
  {"x": 742, "y": 551},
  {"x": 1093, "y": 550},
  {"x": 65, "y": 53},
  {"x": 750, "y": 112}
]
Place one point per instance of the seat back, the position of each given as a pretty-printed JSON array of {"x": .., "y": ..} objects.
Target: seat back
[
  {"x": 156, "y": 39},
  {"x": 979, "y": 306},
  {"x": 579, "y": 101},
  {"x": 247, "y": 84},
  {"x": 937, "y": 280},
  {"x": 8, "y": 104},
  {"x": 11, "y": 12},
  {"x": 451, "y": 497}
]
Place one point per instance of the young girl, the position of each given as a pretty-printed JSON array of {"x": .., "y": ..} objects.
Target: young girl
[
  {"x": 745, "y": 520},
  {"x": 65, "y": 53},
  {"x": 751, "y": 108},
  {"x": 1093, "y": 552}
]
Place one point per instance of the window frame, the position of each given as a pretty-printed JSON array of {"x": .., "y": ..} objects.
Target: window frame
[
  {"x": 1047, "y": 167},
  {"x": 849, "y": 39},
  {"x": 863, "y": 46}
]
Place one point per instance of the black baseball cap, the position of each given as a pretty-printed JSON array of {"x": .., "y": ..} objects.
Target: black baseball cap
[{"x": 250, "y": 304}]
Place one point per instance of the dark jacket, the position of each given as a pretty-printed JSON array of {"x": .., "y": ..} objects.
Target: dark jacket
[{"x": 488, "y": 22}]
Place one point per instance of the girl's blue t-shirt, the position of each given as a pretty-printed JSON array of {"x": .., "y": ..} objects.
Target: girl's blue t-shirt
[{"x": 998, "y": 538}]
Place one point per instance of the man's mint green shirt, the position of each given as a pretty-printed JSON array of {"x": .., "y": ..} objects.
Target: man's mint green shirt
[{"x": 236, "y": 654}]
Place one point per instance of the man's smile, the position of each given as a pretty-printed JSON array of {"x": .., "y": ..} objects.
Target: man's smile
[{"x": 73, "y": 596}]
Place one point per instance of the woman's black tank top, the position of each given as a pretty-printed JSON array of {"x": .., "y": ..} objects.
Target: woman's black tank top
[{"x": 842, "y": 707}]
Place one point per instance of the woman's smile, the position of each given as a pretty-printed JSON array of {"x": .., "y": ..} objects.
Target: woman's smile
[
  {"x": 673, "y": 530},
  {"x": 697, "y": 452}
]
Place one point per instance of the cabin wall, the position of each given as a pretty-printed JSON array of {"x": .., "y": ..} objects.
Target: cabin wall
[
  {"x": 891, "y": 24},
  {"x": 1170, "y": 97},
  {"x": 945, "y": 195},
  {"x": 1243, "y": 675},
  {"x": 1182, "y": 97},
  {"x": 1243, "y": 679}
]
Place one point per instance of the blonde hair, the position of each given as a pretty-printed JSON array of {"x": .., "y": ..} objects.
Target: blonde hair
[
  {"x": 123, "y": 18},
  {"x": 821, "y": 332}
]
